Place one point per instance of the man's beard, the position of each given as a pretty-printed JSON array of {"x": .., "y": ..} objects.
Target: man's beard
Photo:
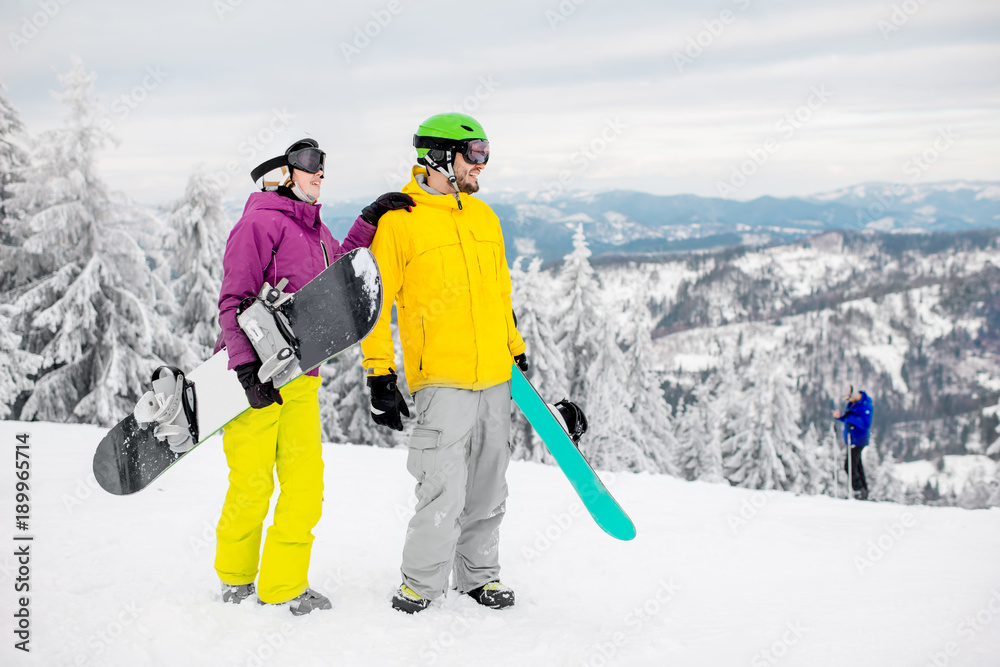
[{"x": 467, "y": 185}]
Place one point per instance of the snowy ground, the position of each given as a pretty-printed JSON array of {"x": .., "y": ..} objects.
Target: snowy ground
[{"x": 717, "y": 576}]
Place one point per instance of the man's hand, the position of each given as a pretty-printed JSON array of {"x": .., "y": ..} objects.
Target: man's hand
[
  {"x": 522, "y": 362},
  {"x": 836, "y": 414},
  {"x": 259, "y": 395},
  {"x": 390, "y": 201},
  {"x": 386, "y": 401}
]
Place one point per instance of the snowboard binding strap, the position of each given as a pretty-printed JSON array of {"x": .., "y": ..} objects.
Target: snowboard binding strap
[
  {"x": 270, "y": 333},
  {"x": 570, "y": 417},
  {"x": 172, "y": 405}
]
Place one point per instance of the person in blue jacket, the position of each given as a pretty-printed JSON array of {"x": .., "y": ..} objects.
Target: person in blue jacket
[{"x": 857, "y": 418}]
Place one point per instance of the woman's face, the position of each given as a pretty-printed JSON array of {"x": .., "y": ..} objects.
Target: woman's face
[{"x": 308, "y": 183}]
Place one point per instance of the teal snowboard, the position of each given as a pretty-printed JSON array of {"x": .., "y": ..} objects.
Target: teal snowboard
[{"x": 596, "y": 498}]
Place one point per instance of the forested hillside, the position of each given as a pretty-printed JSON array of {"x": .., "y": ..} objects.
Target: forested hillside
[{"x": 720, "y": 366}]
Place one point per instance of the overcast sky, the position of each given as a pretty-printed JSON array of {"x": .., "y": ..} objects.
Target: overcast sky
[{"x": 738, "y": 98}]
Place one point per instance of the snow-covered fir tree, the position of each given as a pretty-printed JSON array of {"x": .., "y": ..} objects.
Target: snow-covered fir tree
[
  {"x": 344, "y": 398},
  {"x": 698, "y": 435},
  {"x": 994, "y": 448},
  {"x": 18, "y": 267},
  {"x": 821, "y": 455},
  {"x": 613, "y": 438},
  {"x": 13, "y": 161},
  {"x": 345, "y": 408},
  {"x": 17, "y": 366},
  {"x": 763, "y": 448},
  {"x": 649, "y": 407},
  {"x": 579, "y": 314},
  {"x": 601, "y": 378},
  {"x": 530, "y": 296},
  {"x": 93, "y": 321},
  {"x": 199, "y": 229},
  {"x": 883, "y": 484}
]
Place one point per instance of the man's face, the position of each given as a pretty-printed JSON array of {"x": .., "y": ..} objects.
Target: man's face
[{"x": 467, "y": 175}]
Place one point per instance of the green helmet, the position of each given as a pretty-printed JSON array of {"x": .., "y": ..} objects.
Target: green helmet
[{"x": 446, "y": 132}]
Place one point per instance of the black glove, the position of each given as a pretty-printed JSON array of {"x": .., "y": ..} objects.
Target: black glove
[
  {"x": 259, "y": 395},
  {"x": 390, "y": 201},
  {"x": 522, "y": 362},
  {"x": 387, "y": 402}
]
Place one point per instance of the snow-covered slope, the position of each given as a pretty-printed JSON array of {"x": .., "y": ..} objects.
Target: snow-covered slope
[{"x": 717, "y": 575}]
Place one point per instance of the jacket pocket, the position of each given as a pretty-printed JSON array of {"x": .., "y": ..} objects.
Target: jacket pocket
[{"x": 487, "y": 251}]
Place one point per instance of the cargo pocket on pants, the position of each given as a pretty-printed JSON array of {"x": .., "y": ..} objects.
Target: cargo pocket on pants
[{"x": 423, "y": 451}]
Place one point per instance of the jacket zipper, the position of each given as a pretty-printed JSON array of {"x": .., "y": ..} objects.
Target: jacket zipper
[
  {"x": 326, "y": 257},
  {"x": 423, "y": 334}
]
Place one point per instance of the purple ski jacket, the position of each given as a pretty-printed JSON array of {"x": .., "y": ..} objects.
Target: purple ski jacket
[{"x": 276, "y": 238}]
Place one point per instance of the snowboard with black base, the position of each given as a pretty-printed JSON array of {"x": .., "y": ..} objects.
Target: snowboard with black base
[{"x": 291, "y": 333}]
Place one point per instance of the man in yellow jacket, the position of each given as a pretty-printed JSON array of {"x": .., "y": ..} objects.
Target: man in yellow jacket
[{"x": 444, "y": 266}]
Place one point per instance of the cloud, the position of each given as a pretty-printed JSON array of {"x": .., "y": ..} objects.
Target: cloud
[{"x": 544, "y": 78}]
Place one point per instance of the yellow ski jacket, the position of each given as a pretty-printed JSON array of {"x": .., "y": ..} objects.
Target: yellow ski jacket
[{"x": 446, "y": 270}]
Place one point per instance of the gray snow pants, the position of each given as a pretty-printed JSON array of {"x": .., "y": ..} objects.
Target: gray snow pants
[{"x": 459, "y": 452}]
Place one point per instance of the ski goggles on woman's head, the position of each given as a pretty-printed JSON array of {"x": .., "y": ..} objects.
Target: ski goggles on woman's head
[
  {"x": 476, "y": 151},
  {"x": 308, "y": 159}
]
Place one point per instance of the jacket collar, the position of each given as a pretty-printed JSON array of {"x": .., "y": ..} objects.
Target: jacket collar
[
  {"x": 422, "y": 197},
  {"x": 299, "y": 211}
]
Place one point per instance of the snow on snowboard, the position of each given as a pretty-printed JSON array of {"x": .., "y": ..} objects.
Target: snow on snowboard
[
  {"x": 605, "y": 510},
  {"x": 331, "y": 313}
]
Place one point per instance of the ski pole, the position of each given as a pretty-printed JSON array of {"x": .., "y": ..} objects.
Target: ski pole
[
  {"x": 833, "y": 460},
  {"x": 850, "y": 473}
]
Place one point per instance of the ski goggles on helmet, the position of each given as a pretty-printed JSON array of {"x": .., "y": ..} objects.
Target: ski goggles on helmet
[
  {"x": 309, "y": 159},
  {"x": 476, "y": 151}
]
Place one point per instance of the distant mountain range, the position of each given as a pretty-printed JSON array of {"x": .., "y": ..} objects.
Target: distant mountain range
[{"x": 635, "y": 223}]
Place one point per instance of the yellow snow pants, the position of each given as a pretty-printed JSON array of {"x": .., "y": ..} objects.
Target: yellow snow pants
[{"x": 286, "y": 437}]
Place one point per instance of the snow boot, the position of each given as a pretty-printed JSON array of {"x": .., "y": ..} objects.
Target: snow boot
[
  {"x": 309, "y": 601},
  {"x": 493, "y": 595},
  {"x": 305, "y": 603},
  {"x": 408, "y": 601},
  {"x": 237, "y": 594}
]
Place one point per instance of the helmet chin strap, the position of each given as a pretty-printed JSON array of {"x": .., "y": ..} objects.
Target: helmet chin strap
[
  {"x": 299, "y": 192},
  {"x": 449, "y": 171}
]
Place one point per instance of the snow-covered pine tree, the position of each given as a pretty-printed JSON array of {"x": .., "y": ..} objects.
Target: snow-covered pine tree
[
  {"x": 820, "y": 457},
  {"x": 17, "y": 266},
  {"x": 93, "y": 321},
  {"x": 598, "y": 373},
  {"x": 13, "y": 161},
  {"x": 699, "y": 437},
  {"x": 649, "y": 407},
  {"x": 688, "y": 434},
  {"x": 345, "y": 407},
  {"x": 993, "y": 449},
  {"x": 883, "y": 484},
  {"x": 613, "y": 438},
  {"x": 531, "y": 299},
  {"x": 199, "y": 229},
  {"x": 17, "y": 366},
  {"x": 763, "y": 450},
  {"x": 580, "y": 314}
]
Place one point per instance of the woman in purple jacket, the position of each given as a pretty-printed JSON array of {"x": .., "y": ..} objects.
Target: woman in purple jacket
[{"x": 279, "y": 236}]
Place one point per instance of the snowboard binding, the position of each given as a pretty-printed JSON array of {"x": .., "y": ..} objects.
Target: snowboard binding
[
  {"x": 270, "y": 333},
  {"x": 571, "y": 418},
  {"x": 172, "y": 405}
]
